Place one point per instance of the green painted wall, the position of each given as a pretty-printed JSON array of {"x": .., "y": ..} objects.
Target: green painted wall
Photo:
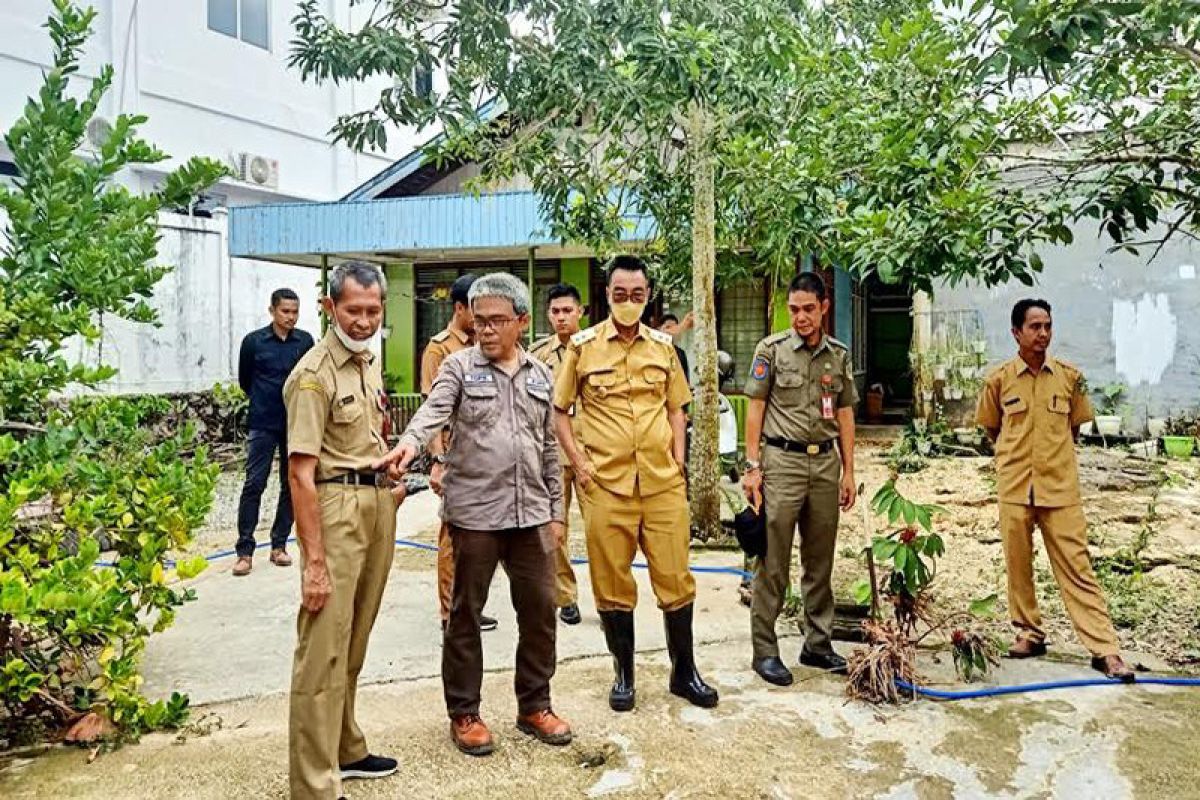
[
  {"x": 577, "y": 272},
  {"x": 400, "y": 348}
]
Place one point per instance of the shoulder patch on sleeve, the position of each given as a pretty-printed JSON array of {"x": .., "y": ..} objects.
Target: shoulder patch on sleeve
[
  {"x": 760, "y": 368},
  {"x": 659, "y": 336},
  {"x": 440, "y": 337},
  {"x": 583, "y": 337},
  {"x": 310, "y": 385}
]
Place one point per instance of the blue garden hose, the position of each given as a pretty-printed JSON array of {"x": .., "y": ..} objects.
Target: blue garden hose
[{"x": 997, "y": 691}]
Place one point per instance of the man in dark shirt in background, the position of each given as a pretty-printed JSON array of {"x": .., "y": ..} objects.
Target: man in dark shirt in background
[{"x": 267, "y": 357}]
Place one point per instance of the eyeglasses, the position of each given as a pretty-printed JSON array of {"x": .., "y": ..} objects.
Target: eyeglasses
[
  {"x": 621, "y": 296},
  {"x": 493, "y": 323}
]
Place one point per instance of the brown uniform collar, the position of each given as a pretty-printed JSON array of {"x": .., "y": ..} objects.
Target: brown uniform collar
[
  {"x": 612, "y": 333},
  {"x": 1019, "y": 365},
  {"x": 462, "y": 336},
  {"x": 339, "y": 351},
  {"x": 797, "y": 342}
]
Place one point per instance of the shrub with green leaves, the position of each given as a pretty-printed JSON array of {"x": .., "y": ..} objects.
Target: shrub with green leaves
[{"x": 78, "y": 247}]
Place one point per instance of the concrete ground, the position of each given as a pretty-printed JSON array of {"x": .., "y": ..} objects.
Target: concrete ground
[{"x": 231, "y": 651}]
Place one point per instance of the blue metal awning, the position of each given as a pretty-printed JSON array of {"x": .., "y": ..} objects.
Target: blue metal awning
[{"x": 425, "y": 228}]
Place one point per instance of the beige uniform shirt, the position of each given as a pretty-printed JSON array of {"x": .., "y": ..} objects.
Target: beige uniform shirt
[
  {"x": 335, "y": 402},
  {"x": 793, "y": 378},
  {"x": 552, "y": 351},
  {"x": 502, "y": 468},
  {"x": 621, "y": 392},
  {"x": 1036, "y": 415},
  {"x": 441, "y": 345}
]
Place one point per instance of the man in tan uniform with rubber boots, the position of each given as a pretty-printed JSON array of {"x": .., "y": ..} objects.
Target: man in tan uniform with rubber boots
[
  {"x": 628, "y": 391},
  {"x": 564, "y": 308},
  {"x": 1032, "y": 407},
  {"x": 802, "y": 397},
  {"x": 346, "y": 526},
  {"x": 459, "y": 334}
]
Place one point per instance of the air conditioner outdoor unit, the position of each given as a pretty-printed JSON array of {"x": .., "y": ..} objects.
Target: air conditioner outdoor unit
[{"x": 258, "y": 170}]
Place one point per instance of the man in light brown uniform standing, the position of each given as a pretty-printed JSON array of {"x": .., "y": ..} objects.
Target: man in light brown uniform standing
[
  {"x": 802, "y": 397},
  {"x": 503, "y": 504},
  {"x": 565, "y": 308},
  {"x": 459, "y": 334},
  {"x": 628, "y": 391},
  {"x": 1032, "y": 407},
  {"x": 346, "y": 525}
]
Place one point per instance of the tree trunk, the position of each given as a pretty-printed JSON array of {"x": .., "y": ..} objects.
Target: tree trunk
[{"x": 704, "y": 461}]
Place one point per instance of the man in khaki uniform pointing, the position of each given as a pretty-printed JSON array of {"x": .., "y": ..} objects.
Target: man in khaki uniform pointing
[
  {"x": 346, "y": 524},
  {"x": 802, "y": 397},
  {"x": 1032, "y": 407},
  {"x": 628, "y": 391}
]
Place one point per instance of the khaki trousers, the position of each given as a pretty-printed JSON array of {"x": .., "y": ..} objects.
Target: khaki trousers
[
  {"x": 358, "y": 524},
  {"x": 616, "y": 526},
  {"x": 564, "y": 573},
  {"x": 1064, "y": 531},
  {"x": 798, "y": 489}
]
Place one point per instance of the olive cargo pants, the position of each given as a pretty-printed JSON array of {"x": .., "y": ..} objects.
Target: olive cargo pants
[
  {"x": 798, "y": 489},
  {"x": 358, "y": 524}
]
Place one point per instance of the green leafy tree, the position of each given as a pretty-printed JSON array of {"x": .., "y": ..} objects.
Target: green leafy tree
[
  {"x": 742, "y": 135},
  {"x": 1121, "y": 82},
  {"x": 74, "y": 475}
]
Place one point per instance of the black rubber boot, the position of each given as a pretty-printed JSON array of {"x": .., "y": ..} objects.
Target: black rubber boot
[
  {"x": 618, "y": 632},
  {"x": 685, "y": 678}
]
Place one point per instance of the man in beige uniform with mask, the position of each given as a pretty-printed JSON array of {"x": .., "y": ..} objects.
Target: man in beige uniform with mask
[
  {"x": 628, "y": 391},
  {"x": 346, "y": 525}
]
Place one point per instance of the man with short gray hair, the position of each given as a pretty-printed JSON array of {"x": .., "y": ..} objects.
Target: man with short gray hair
[
  {"x": 346, "y": 526},
  {"x": 503, "y": 503}
]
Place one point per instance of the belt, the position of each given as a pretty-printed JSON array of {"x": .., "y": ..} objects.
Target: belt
[
  {"x": 789, "y": 446},
  {"x": 377, "y": 479}
]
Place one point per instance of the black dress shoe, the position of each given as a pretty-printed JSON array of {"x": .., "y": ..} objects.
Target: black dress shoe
[
  {"x": 570, "y": 614},
  {"x": 486, "y": 623},
  {"x": 830, "y": 662},
  {"x": 772, "y": 670}
]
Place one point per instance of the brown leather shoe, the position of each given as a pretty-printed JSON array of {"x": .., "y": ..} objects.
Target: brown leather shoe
[
  {"x": 280, "y": 558},
  {"x": 470, "y": 735},
  {"x": 1025, "y": 647},
  {"x": 546, "y": 727},
  {"x": 1113, "y": 667},
  {"x": 243, "y": 566}
]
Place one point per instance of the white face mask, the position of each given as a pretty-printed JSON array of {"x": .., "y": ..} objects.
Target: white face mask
[{"x": 352, "y": 344}]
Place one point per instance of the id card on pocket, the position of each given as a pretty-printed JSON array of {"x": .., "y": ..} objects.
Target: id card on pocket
[{"x": 826, "y": 406}]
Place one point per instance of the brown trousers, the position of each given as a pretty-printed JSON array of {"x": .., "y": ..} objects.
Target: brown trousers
[
  {"x": 358, "y": 524},
  {"x": 1064, "y": 531},
  {"x": 568, "y": 590},
  {"x": 528, "y": 558},
  {"x": 445, "y": 571},
  {"x": 802, "y": 490}
]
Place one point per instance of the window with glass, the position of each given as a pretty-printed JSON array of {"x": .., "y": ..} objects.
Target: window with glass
[
  {"x": 248, "y": 20},
  {"x": 742, "y": 321}
]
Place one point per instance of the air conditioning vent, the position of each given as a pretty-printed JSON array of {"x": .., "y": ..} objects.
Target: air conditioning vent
[{"x": 257, "y": 170}]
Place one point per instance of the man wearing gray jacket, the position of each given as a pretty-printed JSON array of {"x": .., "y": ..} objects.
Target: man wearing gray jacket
[{"x": 503, "y": 498}]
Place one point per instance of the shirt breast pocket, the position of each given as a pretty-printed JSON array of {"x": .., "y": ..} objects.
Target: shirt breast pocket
[
  {"x": 347, "y": 411},
  {"x": 599, "y": 385},
  {"x": 1014, "y": 408},
  {"x": 656, "y": 379},
  {"x": 479, "y": 403},
  {"x": 789, "y": 383},
  {"x": 1059, "y": 404}
]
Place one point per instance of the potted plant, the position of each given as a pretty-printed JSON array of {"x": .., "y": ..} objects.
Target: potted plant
[
  {"x": 1179, "y": 437},
  {"x": 1108, "y": 421}
]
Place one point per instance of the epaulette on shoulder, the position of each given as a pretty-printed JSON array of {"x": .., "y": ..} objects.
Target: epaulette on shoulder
[
  {"x": 776, "y": 338},
  {"x": 540, "y": 343},
  {"x": 660, "y": 336},
  {"x": 314, "y": 358},
  {"x": 838, "y": 343},
  {"x": 440, "y": 337},
  {"x": 583, "y": 337}
]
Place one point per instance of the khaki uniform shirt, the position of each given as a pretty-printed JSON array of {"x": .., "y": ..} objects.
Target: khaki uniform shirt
[
  {"x": 793, "y": 377},
  {"x": 502, "y": 468},
  {"x": 552, "y": 351},
  {"x": 441, "y": 345},
  {"x": 1036, "y": 415},
  {"x": 621, "y": 392},
  {"x": 334, "y": 401}
]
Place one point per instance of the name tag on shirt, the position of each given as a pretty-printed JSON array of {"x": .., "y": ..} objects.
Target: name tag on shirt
[{"x": 479, "y": 377}]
